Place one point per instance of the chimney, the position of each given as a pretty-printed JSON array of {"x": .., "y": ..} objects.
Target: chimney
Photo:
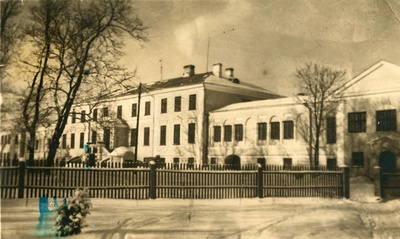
[
  {"x": 217, "y": 69},
  {"x": 188, "y": 70},
  {"x": 229, "y": 72}
]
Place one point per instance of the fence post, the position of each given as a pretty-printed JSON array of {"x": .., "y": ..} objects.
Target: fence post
[
  {"x": 346, "y": 181},
  {"x": 260, "y": 192},
  {"x": 153, "y": 180},
  {"x": 21, "y": 179},
  {"x": 378, "y": 190}
]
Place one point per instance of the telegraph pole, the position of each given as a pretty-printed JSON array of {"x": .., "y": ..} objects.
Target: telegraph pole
[{"x": 137, "y": 121}]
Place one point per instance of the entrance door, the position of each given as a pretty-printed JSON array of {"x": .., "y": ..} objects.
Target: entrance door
[
  {"x": 387, "y": 161},
  {"x": 232, "y": 162}
]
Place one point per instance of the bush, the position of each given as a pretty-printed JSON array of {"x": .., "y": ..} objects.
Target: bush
[{"x": 71, "y": 215}]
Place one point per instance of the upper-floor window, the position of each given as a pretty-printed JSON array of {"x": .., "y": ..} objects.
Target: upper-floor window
[
  {"x": 331, "y": 130},
  {"x": 262, "y": 131},
  {"x": 163, "y": 135},
  {"x": 191, "y": 133},
  {"x": 238, "y": 132},
  {"x": 73, "y": 117},
  {"x": 83, "y": 116},
  {"x": 217, "y": 133},
  {"x": 146, "y": 139},
  {"x": 134, "y": 110},
  {"x": 275, "y": 130},
  {"x": 288, "y": 129},
  {"x": 95, "y": 114},
  {"x": 386, "y": 120},
  {"x": 357, "y": 122},
  {"x": 119, "y": 111},
  {"x": 177, "y": 134},
  {"x": 228, "y": 133},
  {"x": 192, "y": 102},
  {"x": 357, "y": 158},
  {"x": 147, "y": 108},
  {"x": 164, "y": 105},
  {"x": 178, "y": 101},
  {"x": 105, "y": 112}
]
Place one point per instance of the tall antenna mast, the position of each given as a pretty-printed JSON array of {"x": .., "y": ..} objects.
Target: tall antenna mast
[
  {"x": 161, "y": 69},
  {"x": 208, "y": 53}
]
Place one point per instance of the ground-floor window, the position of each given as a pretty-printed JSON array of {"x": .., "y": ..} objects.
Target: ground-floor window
[{"x": 357, "y": 159}]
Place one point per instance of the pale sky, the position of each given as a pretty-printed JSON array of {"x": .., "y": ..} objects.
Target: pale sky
[{"x": 264, "y": 40}]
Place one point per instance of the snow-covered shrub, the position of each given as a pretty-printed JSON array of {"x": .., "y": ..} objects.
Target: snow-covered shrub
[{"x": 71, "y": 215}]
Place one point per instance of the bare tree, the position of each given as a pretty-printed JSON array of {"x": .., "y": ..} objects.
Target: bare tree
[
  {"x": 321, "y": 95},
  {"x": 76, "y": 45}
]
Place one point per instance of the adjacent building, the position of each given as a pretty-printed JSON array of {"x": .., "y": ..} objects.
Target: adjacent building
[{"x": 363, "y": 133}]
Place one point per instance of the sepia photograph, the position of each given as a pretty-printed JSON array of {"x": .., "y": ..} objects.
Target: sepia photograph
[{"x": 236, "y": 119}]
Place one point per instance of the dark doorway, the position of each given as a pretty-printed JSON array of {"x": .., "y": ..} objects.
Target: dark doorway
[
  {"x": 387, "y": 161},
  {"x": 232, "y": 162}
]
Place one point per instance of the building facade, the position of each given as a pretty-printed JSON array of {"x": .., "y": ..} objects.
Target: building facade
[
  {"x": 363, "y": 133},
  {"x": 171, "y": 118}
]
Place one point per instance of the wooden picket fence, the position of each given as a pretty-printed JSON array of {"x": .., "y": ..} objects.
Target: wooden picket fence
[{"x": 166, "y": 181}]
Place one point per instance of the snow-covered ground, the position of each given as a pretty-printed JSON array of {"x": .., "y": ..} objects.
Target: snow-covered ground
[{"x": 363, "y": 216}]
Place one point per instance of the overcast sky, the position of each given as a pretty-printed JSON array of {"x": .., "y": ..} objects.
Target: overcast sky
[{"x": 265, "y": 41}]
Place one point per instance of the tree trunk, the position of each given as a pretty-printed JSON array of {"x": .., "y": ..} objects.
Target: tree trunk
[
  {"x": 316, "y": 150},
  {"x": 31, "y": 147},
  {"x": 55, "y": 141}
]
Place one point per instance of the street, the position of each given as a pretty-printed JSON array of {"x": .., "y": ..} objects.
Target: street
[{"x": 235, "y": 218}]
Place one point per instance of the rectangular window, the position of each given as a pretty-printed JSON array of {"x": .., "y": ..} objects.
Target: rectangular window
[
  {"x": 147, "y": 108},
  {"x": 176, "y": 160},
  {"x": 192, "y": 102},
  {"x": 72, "y": 143},
  {"x": 178, "y": 101},
  {"x": 164, "y": 106},
  {"x": 261, "y": 161},
  {"x": 81, "y": 140},
  {"x": 288, "y": 127},
  {"x": 134, "y": 110},
  {"x": 191, "y": 160},
  {"x": 357, "y": 159},
  {"x": 95, "y": 115},
  {"x": 331, "y": 164},
  {"x": 217, "y": 133},
  {"x": 73, "y": 120},
  {"x": 94, "y": 137},
  {"x": 16, "y": 139},
  {"x": 386, "y": 120},
  {"x": 262, "y": 131},
  {"x": 119, "y": 111},
  {"x": 213, "y": 160},
  {"x": 275, "y": 130},
  {"x": 83, "y": 116},
  {"x": 64, "y": 141},
  {"x": 36, "y": 144},
  {"x": 228, "y": 133},
  {"x": 163, "y": 135},
  {"x": 146, "y": 140},
  {"x": 105, "y": 112},
  {"x": 177, "y": 134},
  {"x": 238, "y": 132},
  {"x": 357, "y": 122},
  {"x": 133, "y": 137},
  {"x": 331, "y": 130},
  {"x": 287, "y": 163},
  {"x": 191, "y": 133}
]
